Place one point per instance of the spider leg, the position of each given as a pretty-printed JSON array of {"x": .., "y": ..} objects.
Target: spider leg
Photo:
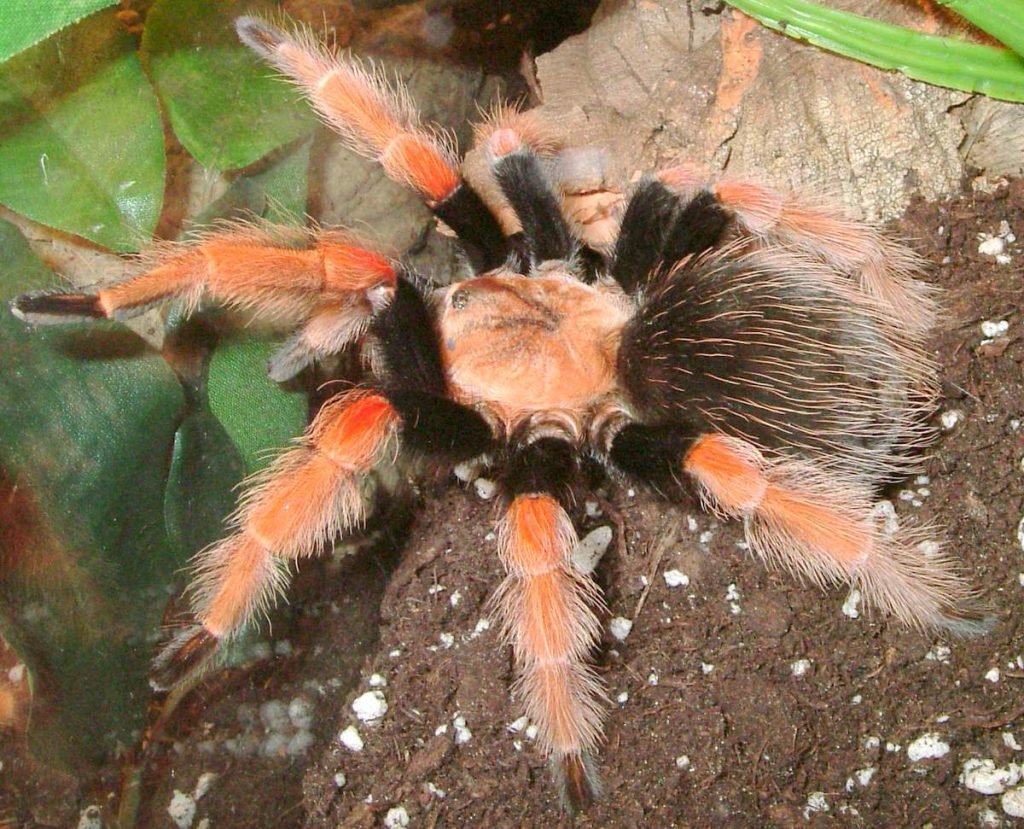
[
  {"x": 379, "y": 121},
  {"x": 884, "y": 269},
  {"x": 660, "y": 229},
  {"x": 241, "y": 266},
  {"x": 517, "y": 169},
  {"x": 547, "y": 612},
  {"x": 809, "y": 521}
]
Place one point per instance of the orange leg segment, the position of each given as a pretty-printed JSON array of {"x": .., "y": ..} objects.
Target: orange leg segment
[
  {"x": 293, "y": 509},
  {"x": 822, "y": 528},
  {"x": 547, "y": 613}
]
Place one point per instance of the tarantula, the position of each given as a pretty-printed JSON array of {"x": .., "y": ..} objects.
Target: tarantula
[{"x": 721, "y": 336}]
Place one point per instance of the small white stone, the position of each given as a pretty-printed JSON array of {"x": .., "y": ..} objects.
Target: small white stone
[
  {"x": 622, "y": 698},
  {"x": 631, "y": 493},
  {"x": 1020, "y": 535},
  {"x": 455, "y": 598},
  {"x": 856, "y": 699},
  {"x": 516, "y": 726},
  {"x": 485, "y": 488},
  {"x": 1003, "y": 259},
  {"x": 350, "y": 739},
  {"x": 949, "y": 419},
  {"x": 927, "y": 747},
  {"x": 993, "y": 328},
  {"x": 992, "y": 675},
  {"x": 620, "y": 627},
  {"x": 300, "y": 712},
  {"x": 274, "y": 715},
  {"x": 991, "y": 245},
  {"x": 203, "y": 784},
  {"x": 182, "y": 809},
  {"x": 377, "y": 681},
  {"x": 706, "y": 536},
  {"x": 1010, "y": 741},
  {"x": 340, "y": 779},
  {"x": 939, "y": 653},
  {"x": 865, "y": 775},
  {"x": 982, "y": 776},
  {"x": 91, "y": 817},
  {"x": 682, "y": 762},
  {"x": 989, "y": 819},
  {"x": 17, "y": 673},
  {"x": 871, "y": 743},
  {"x": 396, "y": 818},
  {"x": 652, "y": 678},
  {"x": 593, "y": 509},
  {"x": 531, "y": 732},
  {"x": 706, "y": 668},
  {"x": 676, "y": 578},
  {"x": 441, "y": 729},
  {"x": 466, "y": 471},
  {"x": 395, "y": 654},
  {"x": 591, "y": 549},
  {"x": 691, "y": 523},
  {"x": 799, "y": 667},
  {"x": 884, "y": 513},
  {"x": 1013, "y": 802},
  {"x": 816, "y": 802},
  {"x": 851, "y": 607},
  {"x": 447, "y": 640},
  {"x": 434, "y": 589},
  {"x": 462, "y": 733},
  {"x": 893, "y": 747},
  {"x": 370, "y": 707},
  {"x": 433, "y": 791}
]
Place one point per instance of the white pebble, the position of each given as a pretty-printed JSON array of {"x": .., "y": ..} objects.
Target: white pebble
[
  {"x": 622, "y": 698},
  {"x": 991, "y": 328},
  {"x": 455, "y": 598},
  {"x": 706, "y": 536},
  {"x": 590, "y": 549},
  {"x": 884, "y": 512},
  {"x": 274, "y": 715},
  {"x": 691, "y": 523},
  {"x": 620, "y": 627},
  {"x": 939, "y": 653},
  {"x": 865, "y": 775},
  {"x": 300, "y": 712},
  {"x": 396, "y": 818},
  {"x": 991, "y": 245},
  {"x": 370, "y": 707},
  {"x": 892, "y": 747},
  {"x": 516, "y": 726},
  {"x": 485, "y": 488},
  {"x": 531, "y": 732},
  {"x": 434, "y": 791},
  {"x": 90, "y": 818},
  {"x": 350, "y": 739},
  {"x": 447, "y": 640},
  {"x": 300, "y": 743},
  {"x": 462, "y": 733},
  {"x": 799, "y": 667},
  {"x": 652, "y": 678},
  {"x": 676, "y": 578},
  {"x": 593, "y": 509},
  {"x": 340, "y": 779},
  {"x": 816, "y": 802},
  {"x": 706, "y": 668},
  {"x": 949, "y": 419},
  {"x": 466, "y": 471},
  {"x": 182, "y": 809},
  {"x": 377, "y": 681},
  {"x": 682, "y": 762},
  {"x": 1013, "y": 802},
  {"x": 1010, "y": 741},
  {"x": 927, "y": 747},
  {"x": 203, "y": 784},
  {"x": 992, "y": 675},
  {"x": 982, "y": 776},
  {"x": 1020, "y": 533},
  {"x": 851, "y": 607},
  {"x": 989, "y": 819}
]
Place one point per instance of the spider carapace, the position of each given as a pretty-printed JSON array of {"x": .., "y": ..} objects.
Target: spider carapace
[{"x": 757, "y": 348}]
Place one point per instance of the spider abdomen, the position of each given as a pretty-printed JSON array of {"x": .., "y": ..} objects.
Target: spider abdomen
[
  {"x": 775, "y": 349},
  {"x": 524, "y": 345}
]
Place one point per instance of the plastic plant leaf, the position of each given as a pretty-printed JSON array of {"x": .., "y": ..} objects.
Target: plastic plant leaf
[
  {"x": 24, "y": 23},
  {"x": 226, "y": 108},
  {"x": 82, "y": 145},
  {"x": 87, "y": 422},
  {"x": 948, "y": 62},
  {"x": 1003, "y": 19}
]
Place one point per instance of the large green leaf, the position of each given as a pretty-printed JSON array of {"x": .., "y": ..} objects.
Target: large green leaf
[
  {"x": 81, "y": 141},
  {"x": 87, "y": 423},
  {"x": 225, "y": 106},
  {"x": 23, "y": 23}
]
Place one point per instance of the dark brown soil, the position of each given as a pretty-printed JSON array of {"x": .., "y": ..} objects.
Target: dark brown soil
[{"x": 700, "y": 676}]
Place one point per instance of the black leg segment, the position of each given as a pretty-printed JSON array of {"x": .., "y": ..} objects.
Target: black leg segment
[
  {"x": 524, "y": 184},
  {"x": 465, "y": 213}
]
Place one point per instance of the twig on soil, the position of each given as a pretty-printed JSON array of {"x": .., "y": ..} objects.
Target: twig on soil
[{"x": 666, "y": 541}]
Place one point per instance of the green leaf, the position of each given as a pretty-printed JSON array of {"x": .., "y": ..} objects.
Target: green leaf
[
  {"x": 1003, "y": 19},
  {"x": 258, "y": 415},
  {"x": 23, "y": 23},
  {"x": 226, "y": 107},
  {"x": 943, "y": 61},
  {"x": 81, "y": 140},
  {"x": 87, "y": 423}
]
